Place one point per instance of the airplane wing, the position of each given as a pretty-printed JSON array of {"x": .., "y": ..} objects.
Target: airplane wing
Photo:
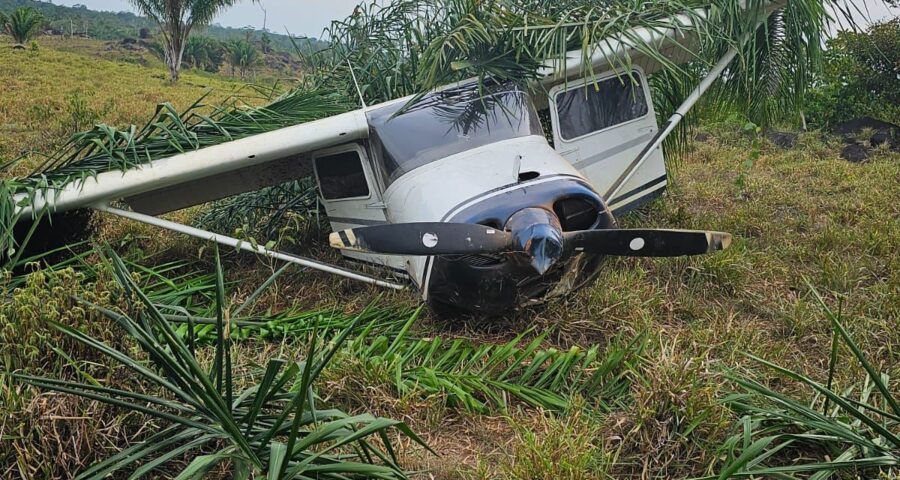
[{"x": 206, "y": 174}]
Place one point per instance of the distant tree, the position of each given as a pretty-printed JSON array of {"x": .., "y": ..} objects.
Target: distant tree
[
  {"x": 23, "y": 24},
  {"x": 242, "y": 55},
  {"x": 176, "y": 19},
  {"x": 204, "y": 52},
  {"x": 265, "y": 42}
]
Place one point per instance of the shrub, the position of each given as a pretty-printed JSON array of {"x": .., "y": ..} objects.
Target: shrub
[{"x": 861, "y": 76}]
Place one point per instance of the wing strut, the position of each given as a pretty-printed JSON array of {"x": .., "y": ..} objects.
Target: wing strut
[{"x": 243, "y": 245}]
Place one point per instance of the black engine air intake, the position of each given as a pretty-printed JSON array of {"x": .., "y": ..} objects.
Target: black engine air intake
[{"x": 576, "y": 213}]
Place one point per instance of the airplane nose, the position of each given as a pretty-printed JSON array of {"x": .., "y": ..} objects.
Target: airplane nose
[{"x": 538, "y": 233}]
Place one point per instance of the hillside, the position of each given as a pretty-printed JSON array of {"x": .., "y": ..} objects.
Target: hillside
[
  {"x": 38, "y": 112},
  {"x": 80, "y": 21}
]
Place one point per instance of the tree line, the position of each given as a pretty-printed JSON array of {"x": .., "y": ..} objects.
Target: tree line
[
  {"x": 81, "y": 21},
  {"x": 200, "y": 52}
]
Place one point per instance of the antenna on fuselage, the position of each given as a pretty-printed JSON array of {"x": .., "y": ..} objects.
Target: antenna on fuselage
[{"x": 356, "y": 84}]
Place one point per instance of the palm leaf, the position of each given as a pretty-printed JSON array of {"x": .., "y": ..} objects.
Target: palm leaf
[
  {"x": 856, "y": 434},
  {"x": 203, "y": 410}
]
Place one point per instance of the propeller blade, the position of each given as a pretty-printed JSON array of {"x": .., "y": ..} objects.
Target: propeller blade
[
  {"x": 427, "y": 238},
  {"x": 647, "y": 242}
]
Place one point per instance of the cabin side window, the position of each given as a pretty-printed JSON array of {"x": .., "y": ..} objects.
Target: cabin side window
[
  {"x": 599, "y": 105},
  {"x": 341, "y": 175}
]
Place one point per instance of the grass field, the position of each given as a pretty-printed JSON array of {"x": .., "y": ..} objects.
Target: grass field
[
  {"x": 60, "y": 89},
  {"x": 802, "y": 218}
]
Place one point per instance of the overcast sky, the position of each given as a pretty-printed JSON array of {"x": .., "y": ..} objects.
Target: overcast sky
[{"x": 309, "y": 17}]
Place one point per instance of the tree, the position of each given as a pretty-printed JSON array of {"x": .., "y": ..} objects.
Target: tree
[
  {"x": 176, "y": 19},
  {"x": 242, "y": 55},
  {"x": 23, "y": 24},
  {"x": 265, "y": 42},
  {"x": 861, "y": 76},
  {"x": 204, "y": 52}
]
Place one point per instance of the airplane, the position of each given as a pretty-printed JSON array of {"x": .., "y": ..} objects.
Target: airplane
[{"x": 485, "y": 200}]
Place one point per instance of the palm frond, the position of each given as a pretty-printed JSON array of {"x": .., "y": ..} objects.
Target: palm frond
[
  {"x": 855, "y": 429},
  {"x": 273, "y": 427},
  {"x": 479, "y": 378}
]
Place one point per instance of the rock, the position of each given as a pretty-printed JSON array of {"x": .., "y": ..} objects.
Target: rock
[
  {"x": 855, "y": 152},
  {"x": 785, "y": 140},
  {"x": 880, "y": 138},
  {"x": 857, "y": 125},
  {"x": 884, "y": 132}
]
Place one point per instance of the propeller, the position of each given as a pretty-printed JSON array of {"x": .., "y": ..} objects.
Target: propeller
[
  {"x": 427, "y": 238},
  {"x": 647, "y": 242},
  {"x": 534, "y": 231},
  {"x": 438, "y": 238}
]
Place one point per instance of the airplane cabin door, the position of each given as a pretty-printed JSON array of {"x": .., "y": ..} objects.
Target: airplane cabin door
[
  {"x": 352, "y": 197},
  {"x": 600, "y": 125}
]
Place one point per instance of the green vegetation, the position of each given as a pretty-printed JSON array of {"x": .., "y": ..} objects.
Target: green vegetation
[
  {"x": 204, "y": 53},
  {"x": 78, "y": 21},
  {"x": 273, "y": 428},
  {"x": 22, "y": 24},
  {"x": 857, "y": 429},
  {"x": 39, "y": 114},
  {"x": 861, "y": 77},
  {"x": 242, "y": 55}
]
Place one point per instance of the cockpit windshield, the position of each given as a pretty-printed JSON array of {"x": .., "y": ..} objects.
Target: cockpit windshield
[{"x": 446, "y": 123}]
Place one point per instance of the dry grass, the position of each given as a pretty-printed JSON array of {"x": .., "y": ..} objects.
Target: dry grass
[{"x": 49, "y": 94}]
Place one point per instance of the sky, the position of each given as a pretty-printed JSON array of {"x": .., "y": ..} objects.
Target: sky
[{"x": 310, "y": 17}]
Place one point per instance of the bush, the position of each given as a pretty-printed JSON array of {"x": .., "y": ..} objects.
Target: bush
[{"x": 861, "y": 77}]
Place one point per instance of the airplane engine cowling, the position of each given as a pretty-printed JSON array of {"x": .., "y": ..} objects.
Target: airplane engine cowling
[{"x": 499, "y": 283}]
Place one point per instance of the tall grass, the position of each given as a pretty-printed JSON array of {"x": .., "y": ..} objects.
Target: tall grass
[
  {"x": 854, "y": 430},
  {"x": 273, "y": 427}
]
